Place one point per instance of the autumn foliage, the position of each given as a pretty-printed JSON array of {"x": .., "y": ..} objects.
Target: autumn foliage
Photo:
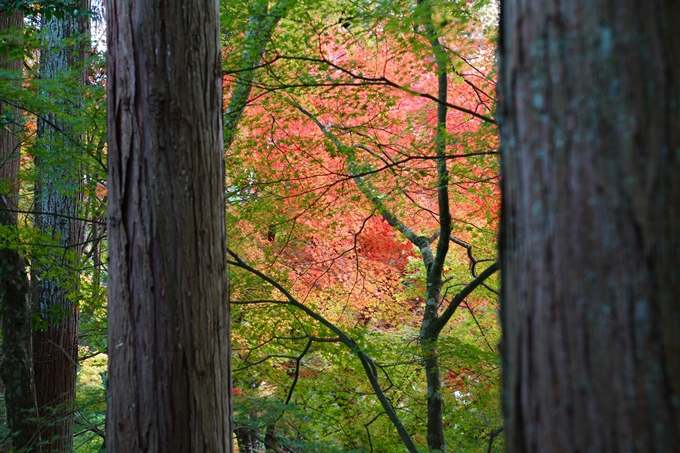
[{"x": 339, "y": 129}]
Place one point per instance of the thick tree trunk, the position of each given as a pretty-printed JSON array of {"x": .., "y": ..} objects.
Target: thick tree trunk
[
  {"x": 17, "y": 360},
  {"x": 590, "y": 243},
  {"x": 17, "y": 346},
  {"x": 169, "y": 360},
  {"x": 55, "y": 342}
]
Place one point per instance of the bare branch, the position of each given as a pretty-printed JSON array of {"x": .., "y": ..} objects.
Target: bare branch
[
  {"x": 439, "y": 323},
  {"x": 385, "y": 81},
  {"x": 366, "y": 361}
]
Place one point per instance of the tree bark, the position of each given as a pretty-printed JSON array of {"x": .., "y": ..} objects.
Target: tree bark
[
  {"x": 17, "y": 344},
  {"x": 55, "y": 342},
  {"x": 169, "y": 362},
  {"x": 430, "y": 328},
  {"x": 247, "y": 440},
  {"x": 590, "y": 234}
]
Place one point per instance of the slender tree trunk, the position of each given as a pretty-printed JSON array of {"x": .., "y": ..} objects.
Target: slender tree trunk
[
  {"x": 17, "y": 344},
  {"x": 429, "y": 329},
  {"x": 247, "y": 440},
  {"x": 590, "y": 243},
  {"x": 262, "y": 25},
  {"x": 270, "y": 440},
  {"x": 55, "y": 342},
  {"x": 169, "y": 362}
]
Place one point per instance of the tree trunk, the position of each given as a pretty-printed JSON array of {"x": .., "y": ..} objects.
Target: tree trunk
[
  {"x": 247, "y": 440},
  {"x": 590, "y": 242},
  {"x": 270, "y": 439},
  {"x": 430, "y": 328},
  {"x": 262, "y": 24},
  {"x": 17, "y": 344},
  {"x": 169, "y": 361},
  {"x": 55, "y": 342}
]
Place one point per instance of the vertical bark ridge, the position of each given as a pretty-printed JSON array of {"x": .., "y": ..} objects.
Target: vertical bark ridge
[
  {"x": 169, "y": 362},
  {"x": 57, "y": 201},
  {"x": 17, "y": 344},
  {"x": 590, "y": 108}
]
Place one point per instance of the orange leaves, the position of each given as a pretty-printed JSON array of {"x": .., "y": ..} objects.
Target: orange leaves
[
  {"x": 341, "y": 109},
  {"x": 380, "y": 242}
]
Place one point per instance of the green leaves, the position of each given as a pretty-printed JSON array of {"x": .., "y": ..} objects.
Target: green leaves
[
  {"x": 49, "y": 9},
  {"x": 334, "y": 177}
]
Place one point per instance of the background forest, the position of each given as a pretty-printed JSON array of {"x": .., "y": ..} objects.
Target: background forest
[{"x": 362, "y": 204}]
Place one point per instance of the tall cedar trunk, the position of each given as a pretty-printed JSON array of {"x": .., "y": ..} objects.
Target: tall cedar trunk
[
  {"x": 17, "y": 348},
  {"x": 590, "y": 244},
  {"x": 55, "y": 343},
  {"x": 169, "y": 362}
]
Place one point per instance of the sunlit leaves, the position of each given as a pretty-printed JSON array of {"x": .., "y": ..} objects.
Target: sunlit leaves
[{"x": 340, "y": 129}]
